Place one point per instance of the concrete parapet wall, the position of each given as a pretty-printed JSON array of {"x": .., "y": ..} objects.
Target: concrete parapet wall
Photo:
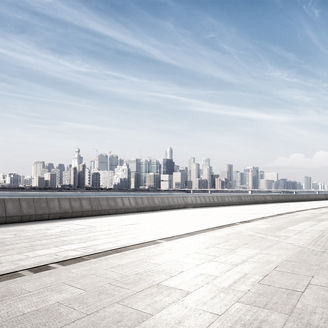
[{"x": 15, "y": 210}]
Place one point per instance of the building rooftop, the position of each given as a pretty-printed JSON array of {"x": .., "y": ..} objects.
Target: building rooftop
[{"x": 243, "y": 266}]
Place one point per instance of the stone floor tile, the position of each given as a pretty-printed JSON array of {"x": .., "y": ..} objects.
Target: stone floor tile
[
  {"x": 236, "y": 280},
  {"x": 13, "y": 307},
  {"x": 306, "y": 269},
  {"x": 140, "y": 281},
  {"x": 114, "y": 316},
  {"x": 10, "y": 291},
  {"x": 320, "y": 280},
  {"x": 213, "y": 299},
  {"x": 86, "y": 282},
  {"x": 52, "y": 316},
  {"x": 154, "y": 299},
  {"x": 92, "y": 301},
  {"x": 214, "y": 268},
  {"x": 307, "y": 316},
  {"x": 189, "y": 280},
  {"x": 315, "y": 296},
  {"x": 286, "y": 280},
  {"x": 242, "y": 316},
  {"x": 179, "y": 315},
  {"x": 271, "y": 298}
]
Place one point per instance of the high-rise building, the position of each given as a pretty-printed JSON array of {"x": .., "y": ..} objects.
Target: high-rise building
[
  {"x": 95, "y": 180},
  {"x": 38, "y": 169},
  {"x": 134, "y": 167},
  {"x": 266, "y": 184},
  {"x": 153, "y": 180},
  {"x": 169, "y": 153},
  {"x": 168, "y": 166},
  {"x": 206, "y": 174},
  {"x": 50, "y": 166},
  {"x": 145, "y": 165},
  {"x": 112, "y": 162},
  {"x": 50, "y": 180},
  {"x": 194, "y": 175},
  {"x": 155, "y": 166},
  {"x": 13, "y": 179},
  {"x": 220, "y": 183},
  {"x": 106, "y": 179},
  {"x": 67, "y": 176},
  {"x": 166, "y": 181},
  {"x": 121, "y": 177},
  {"x": 229, "y": 176},
  {"x": 102, "y": 162},
  {"x": 61, "y": 169},
  {"x": 307, "y": 183},
  {"x": 38, "y": 182},
  {"x": 190, "y": 162},
  {"x": 77, "y": 159},
  {"x": 253, "y": 178},
  {"x": 81, "y": 176}
]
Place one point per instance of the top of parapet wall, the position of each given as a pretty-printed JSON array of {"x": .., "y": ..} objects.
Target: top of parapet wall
[{"x": 26, "y": 209}]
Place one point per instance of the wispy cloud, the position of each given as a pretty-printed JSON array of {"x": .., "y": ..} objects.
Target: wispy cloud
[{"x": 82, "y": 66}]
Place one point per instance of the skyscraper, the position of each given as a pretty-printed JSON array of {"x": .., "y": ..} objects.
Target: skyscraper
[
  {"x": 229, "y": 176},
  {"x": 77, "y": 159},
  {"x": 207, "y": 173},
  {"x": 194, "y": 175},
  {"x": 102, "y": 162},
  {"x": 37, "y": 169},
  {"x": 112, "y": 162},
  {"x": 253, "y": 177},
  {"x": 307, "y": 183},
  {"x": 169, "y": 153},
  {"x": 134, "y": 167}
]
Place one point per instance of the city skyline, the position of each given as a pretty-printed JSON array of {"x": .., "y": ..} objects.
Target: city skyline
[
  {"x": 242, "y": 86},
  {"x": 293, "y": 174},
  {"x": 111, "y": 171}
]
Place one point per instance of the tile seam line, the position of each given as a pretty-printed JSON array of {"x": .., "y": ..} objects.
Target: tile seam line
[{"x": 127, "y": 248}]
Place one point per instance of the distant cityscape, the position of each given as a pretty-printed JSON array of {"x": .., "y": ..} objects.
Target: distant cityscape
[{"x": 110, "y": 172}]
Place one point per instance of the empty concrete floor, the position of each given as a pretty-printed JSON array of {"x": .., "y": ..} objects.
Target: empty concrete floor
[
  {"x": 32, "y": 244},
  {"x": 268, "y": 273}
]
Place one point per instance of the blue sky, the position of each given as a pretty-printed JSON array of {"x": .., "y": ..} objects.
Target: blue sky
[{"x": 237, "y": 81}]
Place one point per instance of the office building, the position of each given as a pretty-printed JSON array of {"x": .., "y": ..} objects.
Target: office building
[
  {"x": 229, "y": 176},
  {"x": 166, "y": 181},
  {"x": 38, "y": 169},
  {"x": 307, "y": 183}
]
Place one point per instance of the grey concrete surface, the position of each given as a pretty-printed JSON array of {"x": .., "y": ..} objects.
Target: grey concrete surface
[
  {"x": 267, "y": 273},
  {"x": 26, "y": 209},
  {"x": 26, "y": 245}
]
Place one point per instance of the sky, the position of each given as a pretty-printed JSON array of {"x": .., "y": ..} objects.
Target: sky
[{"x": 242, "y": 82}]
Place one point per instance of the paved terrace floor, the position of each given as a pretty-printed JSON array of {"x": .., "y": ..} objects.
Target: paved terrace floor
[
  {"x": 27, "y": 245},
  {"x": 267, "y": 273}
]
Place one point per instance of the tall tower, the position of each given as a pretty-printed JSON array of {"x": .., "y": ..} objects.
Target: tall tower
[
  {"x": 37, "y": 169},
  {"x": 230, "y": 176},
  {"x": 169, "y": 153},
  {"x": 78, "y": 159}
]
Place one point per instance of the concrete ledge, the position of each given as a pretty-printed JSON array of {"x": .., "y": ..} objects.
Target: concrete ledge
[
  {"x": 2, "y": 212},
  {"x": 13, "y": 210},
  {"x": 28, "y": 208},
  {"x": 41, "y": 209},
  {"x": 54, "y": 210}
]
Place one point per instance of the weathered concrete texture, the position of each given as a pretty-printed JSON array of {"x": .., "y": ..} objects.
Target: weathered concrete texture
[
  {"x": 13, "y": 210},
  {"x": 42, "y": 209},
  {"x": 22, "y": 210},
  {"x": 28, "y": 208},
  {"x": 2, "y": 212}
]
